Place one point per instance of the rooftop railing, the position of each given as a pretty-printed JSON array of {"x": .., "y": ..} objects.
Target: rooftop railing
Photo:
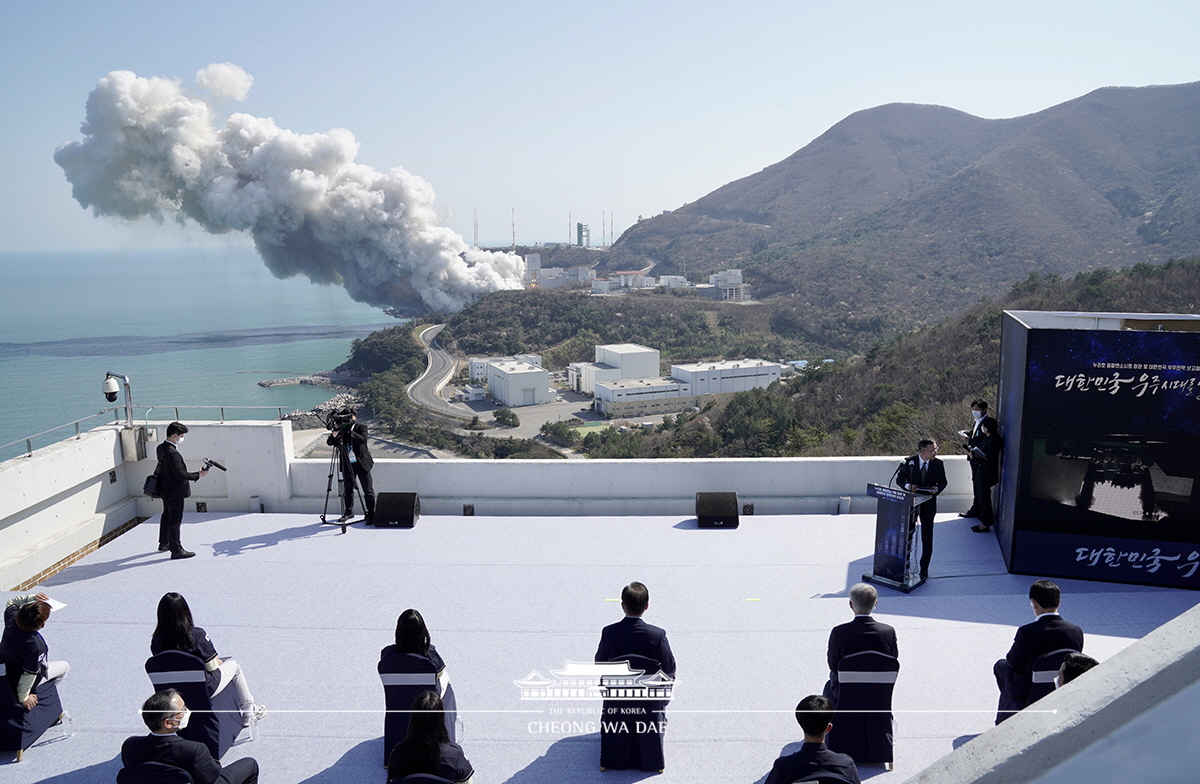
[{"x": 116, "y": 411}]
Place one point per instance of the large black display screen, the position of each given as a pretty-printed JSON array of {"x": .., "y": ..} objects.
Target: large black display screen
[{"x": 1109, "y": 456}]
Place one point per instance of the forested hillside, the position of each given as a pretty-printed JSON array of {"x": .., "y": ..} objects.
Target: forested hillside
[
  {"x": 565, "y": 326},
  {"x": 903, "y": 214},
  {"x": 915, "y": 385}
]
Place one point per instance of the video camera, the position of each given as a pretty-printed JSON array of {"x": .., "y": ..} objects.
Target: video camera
[{"x": 342, "y": 421}]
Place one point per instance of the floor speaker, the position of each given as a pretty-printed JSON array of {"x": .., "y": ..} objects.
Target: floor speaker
[
  {"x": 397, "y": 510},
  {"x": 717, "y": 510}
]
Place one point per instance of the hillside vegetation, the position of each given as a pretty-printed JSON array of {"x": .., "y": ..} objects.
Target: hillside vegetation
[
  {"x": 913, "y": 386},
  {"x": 903, "y": 214},
  {"x": 565, "y": 326}
]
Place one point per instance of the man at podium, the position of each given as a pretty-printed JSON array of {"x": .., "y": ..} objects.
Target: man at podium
[{"x": 924, "y": 473}]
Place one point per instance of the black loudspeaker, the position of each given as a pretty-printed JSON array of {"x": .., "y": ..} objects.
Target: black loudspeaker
[
  {"x": 717, "y": 510},
  {"x": 397, "y": 510}
]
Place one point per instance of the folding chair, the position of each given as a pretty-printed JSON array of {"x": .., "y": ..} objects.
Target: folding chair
[
  {"x": 21, "y": 729},
  {"x": 216, "y": 721},
  {"x": 631, "y": 730},
  {"x": 863, "y": 725}
]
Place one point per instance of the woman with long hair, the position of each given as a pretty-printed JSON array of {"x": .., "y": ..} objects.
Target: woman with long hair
[
  {"x": 426, "y": 747},
  {"x": 413, "y": 654},
  {"x": 176, "y": 632}
]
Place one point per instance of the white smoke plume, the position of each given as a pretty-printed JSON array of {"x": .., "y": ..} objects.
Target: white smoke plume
[{"x": 151, "y": 148}]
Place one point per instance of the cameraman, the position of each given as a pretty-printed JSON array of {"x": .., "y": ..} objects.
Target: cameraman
[{"x": 355, "y": 461}]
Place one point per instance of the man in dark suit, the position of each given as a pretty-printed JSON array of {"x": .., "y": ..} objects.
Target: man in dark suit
[
  {"x": 983, "y": 452},
  {"x": 925, "y": 474},
  {"x": 632, "y": 635},
  {"x": 979, "y": 409},
  {"x": 174, "y": 485},
  {"x": 1049, "y": 632},
  {"x": 815, "y": 716},
  {"x": 864, "y": 633},
  {"x": 355, "y": 461},
  {"x": 165, "y": 714}
]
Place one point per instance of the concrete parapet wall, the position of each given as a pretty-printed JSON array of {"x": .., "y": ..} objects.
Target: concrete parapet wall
[
  {"x": 59, "y": 500},
  {"x": 1099, "y": 706},
  {"x": 800, "y": 485},
  {"x": 68, "y": 495}
]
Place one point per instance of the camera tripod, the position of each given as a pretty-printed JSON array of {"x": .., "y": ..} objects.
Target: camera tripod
[{"x": 339, "y": 462}]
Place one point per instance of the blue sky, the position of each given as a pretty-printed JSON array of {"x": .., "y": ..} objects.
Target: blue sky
[{"x": 555, "y": 109}]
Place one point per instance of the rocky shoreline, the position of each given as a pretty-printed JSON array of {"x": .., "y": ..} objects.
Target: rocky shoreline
[
  {"x": 326, "y": 378},
  {"x": 319, "y": 414}
]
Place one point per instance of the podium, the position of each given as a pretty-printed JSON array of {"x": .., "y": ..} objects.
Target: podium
[{"x": 897, "y": 547}]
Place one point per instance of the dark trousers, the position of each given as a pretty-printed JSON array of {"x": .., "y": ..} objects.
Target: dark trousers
[
  {"x": 243, "y": 771},
  {"x": 368, "y": 490},
  {"x": 1014, "y": 690},
  {"x": 925, "y": 513},
  {"x": 983, "y": 497},
  {"x": 168, "y": 524}
]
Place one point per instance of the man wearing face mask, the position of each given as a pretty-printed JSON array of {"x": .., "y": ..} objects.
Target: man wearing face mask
[
  {"x": 174, "y": 485},
  {"x": 165, "y": 714},
  {"x": 978, "y": 412}
]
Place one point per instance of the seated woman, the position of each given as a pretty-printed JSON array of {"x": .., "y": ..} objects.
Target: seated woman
[
  {"x": 23, "y": 650},
  {"x": 416, "y": 654},
  {"x": 176, "y": 632},
  {"x": 412, "y": 636},
  {"x": 426, "y": 747}
]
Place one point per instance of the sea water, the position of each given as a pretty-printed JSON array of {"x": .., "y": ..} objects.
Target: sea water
[{"x": 189, "y": 327}]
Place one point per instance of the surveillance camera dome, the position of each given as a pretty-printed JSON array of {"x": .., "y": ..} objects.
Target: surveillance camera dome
[{"x": 110, "y": 389}]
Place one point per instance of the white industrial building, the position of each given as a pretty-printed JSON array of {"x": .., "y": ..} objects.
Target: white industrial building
[
  {"x": 601, "y": 285},
  {"x": 726, "y": 286},
  {"x": 689, "y": 386},
  {"x": 478, "y": 366},
  {"x": 739, "y": 375},
  {"x": 673, "y": 281},
  {"x": 614, "y": 362},
  {"x": 514, "y": 382}
]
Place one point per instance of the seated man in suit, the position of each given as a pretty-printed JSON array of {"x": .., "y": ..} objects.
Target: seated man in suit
[
  {"x": 632, "y": 635},
  {"x": 1049, "y": 632},
  {"x": 639, "y": 741},
  {"x": 165, "y": 714},
  {"x": 864, "y": 633},
  {"x": 815, "y": 716}
]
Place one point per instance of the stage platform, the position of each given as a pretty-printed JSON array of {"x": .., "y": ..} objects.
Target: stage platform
[{"x": 305, "y": 609}]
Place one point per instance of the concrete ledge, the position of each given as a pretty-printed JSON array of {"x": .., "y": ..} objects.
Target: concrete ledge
[
  {"x": 1096, "y": 706},
  {"x": 65, "y": 546}
]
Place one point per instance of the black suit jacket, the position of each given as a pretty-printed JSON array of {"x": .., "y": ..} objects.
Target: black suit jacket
[
  {"x": 987, "y": 467},
  {"x": 635, "y": 636},
  {"x": 173, "y": 750},
  {"x": 1048, "y": 633},
  {"x": 812, "y": 758},
  {"x": 910, "y": 474},
  {"x": 359, "y": 443},
  {"x": 864, "y": 633},
  {"x": 174, "y": 481}
]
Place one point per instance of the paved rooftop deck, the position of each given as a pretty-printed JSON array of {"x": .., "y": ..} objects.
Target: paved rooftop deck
[{"x": 305, "y": 610}]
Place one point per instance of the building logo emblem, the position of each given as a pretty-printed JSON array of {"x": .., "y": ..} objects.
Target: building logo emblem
[{"x": 597, "y": 681}]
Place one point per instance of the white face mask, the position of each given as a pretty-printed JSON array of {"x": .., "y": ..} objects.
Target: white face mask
[
  {"x": 187, "y": 714},
  {"x": 180, "y": 441},
  {"x": 974, "y": 412}
]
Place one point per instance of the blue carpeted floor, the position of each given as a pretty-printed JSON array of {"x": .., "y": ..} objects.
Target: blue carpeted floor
[{"x": 305, "y": 610}]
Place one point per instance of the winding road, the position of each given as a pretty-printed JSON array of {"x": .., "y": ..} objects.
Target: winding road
[{"x": 426, "y": 391}]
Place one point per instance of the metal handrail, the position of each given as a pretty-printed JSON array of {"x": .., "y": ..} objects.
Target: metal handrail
[{"x": 28, "y": 440}]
